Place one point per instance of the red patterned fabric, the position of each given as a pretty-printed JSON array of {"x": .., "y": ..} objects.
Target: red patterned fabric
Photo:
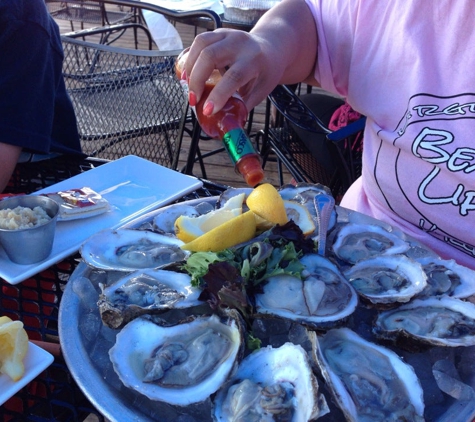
[{"x": 343, "y": 116}]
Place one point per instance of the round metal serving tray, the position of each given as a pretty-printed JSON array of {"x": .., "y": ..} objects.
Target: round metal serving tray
[{"x": 85, "y": 343}]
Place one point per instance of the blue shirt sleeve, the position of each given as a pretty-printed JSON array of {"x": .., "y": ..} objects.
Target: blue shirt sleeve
[{"x": 35, "y": 111}]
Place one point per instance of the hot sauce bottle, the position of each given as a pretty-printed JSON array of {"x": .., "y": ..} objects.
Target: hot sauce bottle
[{"x": 227, "y": 125}]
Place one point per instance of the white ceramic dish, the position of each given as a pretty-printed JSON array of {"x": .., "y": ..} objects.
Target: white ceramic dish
[
  {"x": 36, "y": 361},
  {"x": 132, "y": 185}
]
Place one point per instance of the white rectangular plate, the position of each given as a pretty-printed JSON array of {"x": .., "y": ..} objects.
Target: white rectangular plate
[
  {"x": 132, "y": 185},
  {"x": 36, "y": 361}
]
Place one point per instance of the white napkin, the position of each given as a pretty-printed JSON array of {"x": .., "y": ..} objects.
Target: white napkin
[{"x": 163, "y": 32}]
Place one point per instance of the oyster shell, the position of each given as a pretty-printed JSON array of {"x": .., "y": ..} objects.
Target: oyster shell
[
  {"x": 271, "y": 384},
  {"x": 387, "y": 279},
  {"x": 164, "y": 222},
  {"x": 130, "y": 249},
  {"x": 304, "y": 193},
  {"x": 145, "y": 292},
  {"x": 446, "y": 277},
  {"x": 354, "y": 242},
  {"x": 229, "y": 193},
  {"x": 181, "y": 364},
  {"x": 322, "y": 298},
  {"x": 369, "y": 382},
  {"x": 302, "y": 190},
  {"x": 442, "y": 321}
]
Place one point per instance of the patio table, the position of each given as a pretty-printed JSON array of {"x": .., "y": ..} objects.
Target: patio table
[{"x": 53, "y": 395}]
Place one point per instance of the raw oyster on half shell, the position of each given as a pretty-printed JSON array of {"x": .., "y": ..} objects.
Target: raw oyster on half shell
[
  {"x": 320, "y": 299},
  {"x": 298, "y": 202},
  {"x": 130, "y": 249},
  {"x": 230, "y": 193},
  {"x": 145, "y": 292},
  {"x": 369, "y": 382},
  {"x": 271, "y": 384},
  {"x": 165, "y": 221},
  {"x": 387, "y": 279},
  {"x": 442, "y": 321},
  {"x": 180, "y": 364},
  {"x": 354, "y": 242},
  {"x": 304, "y": 194},
  {"x": 446, "y": 277}
]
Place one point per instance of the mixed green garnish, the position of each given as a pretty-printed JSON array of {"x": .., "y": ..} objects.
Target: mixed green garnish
[{"x": 229, "y": 277}]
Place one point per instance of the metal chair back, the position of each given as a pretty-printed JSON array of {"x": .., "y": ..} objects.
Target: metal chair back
[
  {"x": 127, "y": 101},
  {"x": 90, "y": 11},
  {"x": 344, "y": 145}
]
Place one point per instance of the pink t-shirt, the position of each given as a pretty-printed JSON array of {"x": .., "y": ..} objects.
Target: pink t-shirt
[{"x": 409, "y": 66}]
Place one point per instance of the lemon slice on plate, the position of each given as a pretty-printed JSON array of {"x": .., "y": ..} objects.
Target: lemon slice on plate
[{"x": 13, "y": 348}]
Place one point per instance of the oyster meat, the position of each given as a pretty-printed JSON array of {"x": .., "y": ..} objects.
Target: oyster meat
[
  {"x": 354, "y": 242},
  {"x": 446, "y": 277},
  {"x": 145, "y": 292},
  {"x": 271, "y": 384},
  {"x": 441, "y": 321},
  {"x": 369, "y": 382},
  {"x": 181, "y": 364},
  {"x": 387, "y": 279},
  {"x": 129, "y": 250},
  {"x": 321, "y": 298}
]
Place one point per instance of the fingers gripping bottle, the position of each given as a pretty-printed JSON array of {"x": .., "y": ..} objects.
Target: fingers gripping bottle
[{"x": 227, "y": 125}]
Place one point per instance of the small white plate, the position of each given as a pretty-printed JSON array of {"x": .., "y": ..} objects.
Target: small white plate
[
  {"x": 132, "y": 185},
  {"x": 36, "y": 361}
]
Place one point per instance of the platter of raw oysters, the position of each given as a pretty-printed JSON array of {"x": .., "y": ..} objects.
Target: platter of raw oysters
[{"x": 374, "y": 328}]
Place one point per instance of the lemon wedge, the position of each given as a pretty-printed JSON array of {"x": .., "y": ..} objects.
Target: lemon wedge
[
  {"x": 267, "y": 203},
  {"x": 262, "y": 224},
  {"x": 13, "y": 348},
  {"x": 237, "y": 230},
  {"x": 189, "y": 228},
  {"x": 301, "y": 216}
]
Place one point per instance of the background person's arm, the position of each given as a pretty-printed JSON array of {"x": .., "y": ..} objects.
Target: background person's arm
[{"x": 9, "y": 155}]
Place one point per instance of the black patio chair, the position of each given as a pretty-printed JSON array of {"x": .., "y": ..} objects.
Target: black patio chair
[
  {"x": 90, "y": 11},
  {"x": 127, "y": 101},
  {"x": 343, "y": 145}
]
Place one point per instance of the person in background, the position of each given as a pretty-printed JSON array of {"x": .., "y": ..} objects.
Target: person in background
[
  {"x": 407, "y": 66},
  {"x": 37, "y": 119}
]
